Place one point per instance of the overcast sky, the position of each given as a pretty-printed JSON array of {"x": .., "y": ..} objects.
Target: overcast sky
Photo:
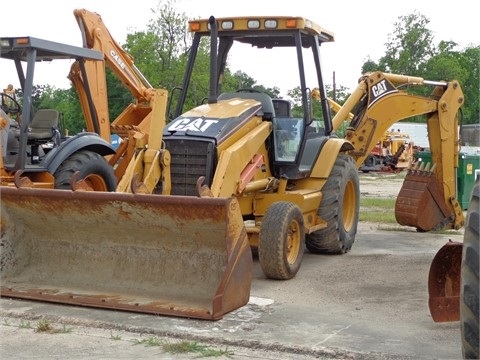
[{"x": 361, "y": 28}]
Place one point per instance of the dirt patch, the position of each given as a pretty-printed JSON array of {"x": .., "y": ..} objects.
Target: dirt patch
[{"x": 380, "y": 185}]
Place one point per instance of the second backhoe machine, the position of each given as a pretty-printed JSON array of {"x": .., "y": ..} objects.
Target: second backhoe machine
[{"x": 233, "y": 173}]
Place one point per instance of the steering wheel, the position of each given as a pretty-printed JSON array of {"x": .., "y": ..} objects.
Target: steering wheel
[
  {"x": 7, "y": 107},
  {"x": 250, "y": 90}
]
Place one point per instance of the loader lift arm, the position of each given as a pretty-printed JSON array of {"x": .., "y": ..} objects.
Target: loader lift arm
[{"x": 378, "y": 102}]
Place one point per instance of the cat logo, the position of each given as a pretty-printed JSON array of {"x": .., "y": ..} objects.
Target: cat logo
[
  {"x": 381, "y": 89},
  {"x": 196, "y": 124}
]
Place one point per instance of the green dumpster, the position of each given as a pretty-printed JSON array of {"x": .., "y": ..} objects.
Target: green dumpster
[{"x": 468, "y": 170}]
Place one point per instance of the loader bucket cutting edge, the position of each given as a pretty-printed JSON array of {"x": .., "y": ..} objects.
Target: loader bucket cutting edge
[
  {"x": 420, "y": 203},
  {"x": 444, "y": 283},
  {"x": 168, "y": 255}
]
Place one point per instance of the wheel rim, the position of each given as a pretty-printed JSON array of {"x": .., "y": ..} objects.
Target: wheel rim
[
  {"x": 293, "y": 241},
  {"x": 96, "y": 182},
  {"x": 349, "y": 206}
]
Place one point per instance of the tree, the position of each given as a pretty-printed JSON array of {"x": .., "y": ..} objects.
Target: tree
[
  {"x": 410, "y": 50},
  {"x": 409, "y": 47},
  {"x": 469, "y": 61}
]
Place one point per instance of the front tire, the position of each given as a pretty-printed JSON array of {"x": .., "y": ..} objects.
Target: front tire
[
  {"x": 281, "y": 241},
  {"x": 469, "y": 291},
  {"x": 93, "y": 169},
  {"x": 339, "y": 208}
]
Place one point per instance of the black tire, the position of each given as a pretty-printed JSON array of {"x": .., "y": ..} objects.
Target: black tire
[
  {"x": 281, "y": 241},
  {"x": 93, "y": 168},
  {"x": 469, "y": 291},
  {"x": 339, "y": 208}
]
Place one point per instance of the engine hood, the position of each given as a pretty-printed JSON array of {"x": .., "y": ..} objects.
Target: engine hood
[{"x": 218, "y": 120}]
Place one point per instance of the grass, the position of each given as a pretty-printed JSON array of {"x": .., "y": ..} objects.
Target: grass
[
  {"x": 380, "y": 210},
  {"x": 44, "y": 325},
  {"x": 24, "y": 325},
  {"x": 150, "y": 341},
  {"x": 184, "y": 347},
  {"x": 115, "y": 337},
  {"x": 193, "y": 347}
]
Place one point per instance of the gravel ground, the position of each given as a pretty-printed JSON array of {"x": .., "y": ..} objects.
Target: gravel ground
[
  {"x": 370, "y": 302},
  {"x": 380, "y": 184}
]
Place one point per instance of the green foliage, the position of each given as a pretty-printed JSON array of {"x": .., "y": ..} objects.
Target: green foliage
[
  {"x": 470, "y": 63},
  {"x": 410, "y": 50},
  {"x": 409, "y": 47}
]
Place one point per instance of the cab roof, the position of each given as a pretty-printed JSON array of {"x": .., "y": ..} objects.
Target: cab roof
[
  {"x": 258, "y": 31},
  {"x": 46, "y": 50}
]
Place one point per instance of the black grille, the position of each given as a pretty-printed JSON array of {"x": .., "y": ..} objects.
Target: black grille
[{"x": 190, "y": 159}]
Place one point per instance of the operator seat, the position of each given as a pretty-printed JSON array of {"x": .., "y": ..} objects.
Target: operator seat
[
  {"x": 282, "y": 107},
  {"x": 42, "y": 128}
]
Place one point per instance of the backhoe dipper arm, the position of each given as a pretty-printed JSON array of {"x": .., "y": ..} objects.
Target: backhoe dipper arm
[
  {"x": 96, "y": 36},
  {"x": 378, "y": 102}
]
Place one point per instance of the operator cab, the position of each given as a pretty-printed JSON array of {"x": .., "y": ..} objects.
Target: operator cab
[{"x": 292, "y": 43}]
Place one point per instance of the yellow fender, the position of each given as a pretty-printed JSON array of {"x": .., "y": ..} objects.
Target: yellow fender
[{"x": 328, "y": 155}]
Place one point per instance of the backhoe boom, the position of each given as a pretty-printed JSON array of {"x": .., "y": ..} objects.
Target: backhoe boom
[{"x": 379, "y": 101}]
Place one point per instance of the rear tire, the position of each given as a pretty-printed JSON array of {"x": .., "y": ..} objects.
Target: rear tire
[
  {"x": 281, "y": 241},
  {"x": 339, "y": 208},
  {"x": 469, "y": 291},
  {"x": 93, "y": 168}
]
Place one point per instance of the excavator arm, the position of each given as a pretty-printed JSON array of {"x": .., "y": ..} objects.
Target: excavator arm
[
  {"x": 427, "y": 199},
  {"x": 140, "y": 155}
]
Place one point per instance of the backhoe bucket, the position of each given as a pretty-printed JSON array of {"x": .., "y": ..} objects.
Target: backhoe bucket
[
  {"x": 169, "y": 255},
  {"x": 444, "y": 283},
  {"x": 420, "y": 202}
]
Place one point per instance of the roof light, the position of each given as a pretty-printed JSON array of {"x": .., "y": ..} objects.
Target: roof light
[
  {"x": 253, "y": 24},
  {"x": 271, "y": 24},
  {"x": 227, "y": 25},
  {"x": 22, "y": 41},
  {"x": 194, "y": 26},
  {"x": 291, "y": 23}
]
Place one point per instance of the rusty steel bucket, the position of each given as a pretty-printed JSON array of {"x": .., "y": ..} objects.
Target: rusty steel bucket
[
  {"x": 444, "y": 281},
  {"x": 420, "y": 202},
  {"x": 169, "y": 255}
]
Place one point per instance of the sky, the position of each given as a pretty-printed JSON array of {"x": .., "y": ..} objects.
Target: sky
[{"x": 361, "y": 29}]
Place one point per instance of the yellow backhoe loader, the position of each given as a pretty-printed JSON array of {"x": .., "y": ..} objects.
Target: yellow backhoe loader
[{"x": 231, "y": 172}]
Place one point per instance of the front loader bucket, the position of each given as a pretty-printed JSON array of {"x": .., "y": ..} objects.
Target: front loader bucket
[
  {"x": 169, "y": 255},
  {"x": 420, "y": 202},
  {"x": 444, "y": 283}
]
